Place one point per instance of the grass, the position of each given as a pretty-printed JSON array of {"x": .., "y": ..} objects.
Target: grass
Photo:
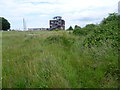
[
  {"x": 56, "y": 59},
  {"x": 0, "y": 59}
]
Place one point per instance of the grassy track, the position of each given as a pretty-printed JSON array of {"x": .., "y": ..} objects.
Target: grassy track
[{"x": 50, "y": 59}]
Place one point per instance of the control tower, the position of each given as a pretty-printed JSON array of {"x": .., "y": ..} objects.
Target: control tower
[{"x": 57, "y": 23}]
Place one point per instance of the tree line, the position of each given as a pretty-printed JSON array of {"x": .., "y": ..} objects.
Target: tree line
[{"x": 96, "y": 34}]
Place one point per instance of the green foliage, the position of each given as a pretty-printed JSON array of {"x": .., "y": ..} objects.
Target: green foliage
[
  {"x": 70, "y": 28},
  {"x": 90, "y": 26},
  {"x": 106, "y": 31},
  {"x": 111, "y": 17},
  {"x": 77, "y": 27},
  {"x": 4, "y": 24},
  {"x": 85, "y": 30},
  {"x": 80, "y": 31}
]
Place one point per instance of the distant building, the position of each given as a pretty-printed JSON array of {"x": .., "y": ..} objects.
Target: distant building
[
  {"x": 37, "y": 29},
  {"x": 57, "y": 23}
]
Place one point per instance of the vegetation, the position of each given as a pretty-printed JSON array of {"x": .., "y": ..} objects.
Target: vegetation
[
  {"x": 0, "y": 60},
  {"x": 77, "y": 27},
  {"x": 43, "y": 59},
  {"x": 70, "y": 28},
  {"x": 106, "y": 31},
  {"x": 4, "y": 24}
]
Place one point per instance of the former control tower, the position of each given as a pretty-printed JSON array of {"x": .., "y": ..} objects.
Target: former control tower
[{"x": 57, "y": 23}]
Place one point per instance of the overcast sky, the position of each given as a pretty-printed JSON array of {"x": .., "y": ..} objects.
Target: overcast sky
[{"x": 37, "y": 13}]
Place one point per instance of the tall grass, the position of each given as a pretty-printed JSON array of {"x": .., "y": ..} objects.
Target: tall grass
[
  {"x": 0, "y": 59},
  {"x": 56, "y": 60}
]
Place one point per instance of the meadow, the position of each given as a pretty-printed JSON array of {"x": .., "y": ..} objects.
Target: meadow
[
  {"x": 56, "y": 59},
  {"x": 0, "y": 59}
]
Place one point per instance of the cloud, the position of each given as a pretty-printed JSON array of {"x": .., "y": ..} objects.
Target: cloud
[{"x": 37, "y": 13}]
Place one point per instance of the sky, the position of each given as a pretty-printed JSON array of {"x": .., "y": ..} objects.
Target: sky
[
  {"x": 119, "y": 7},
  {"x": 37, "y": 13}
]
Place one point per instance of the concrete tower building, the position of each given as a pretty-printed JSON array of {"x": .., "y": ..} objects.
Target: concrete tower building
[{"x": 57, "y": 23}]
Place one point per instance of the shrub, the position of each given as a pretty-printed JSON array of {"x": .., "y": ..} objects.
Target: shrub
[
  {"x": 79, "y": 31},
  {"x": 106, "y": 31}
]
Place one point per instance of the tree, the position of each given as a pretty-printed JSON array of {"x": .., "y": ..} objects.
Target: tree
[
  {"x": 90, "y": 26},
  {"x": 77, "y": 27},
  {"x": 111, "y": 17},
  {"x": 70, "y": 28},
  {"x": 4, "y": 24}
]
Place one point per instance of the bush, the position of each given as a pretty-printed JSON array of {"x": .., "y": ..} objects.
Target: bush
[
  {"x": 84, "y": 31},
  {"x": 79, "y": 31},
  {"x": 106, "y": 31}
]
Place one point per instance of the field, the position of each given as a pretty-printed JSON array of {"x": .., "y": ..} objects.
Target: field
[
  {"x": 56, "y": 59},
  {"x": 0, "y": 60}
]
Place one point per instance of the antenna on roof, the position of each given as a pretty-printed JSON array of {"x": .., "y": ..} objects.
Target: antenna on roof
[
  {"x": 57, "y": 17},
  {"x": 24, "y": 25}
]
